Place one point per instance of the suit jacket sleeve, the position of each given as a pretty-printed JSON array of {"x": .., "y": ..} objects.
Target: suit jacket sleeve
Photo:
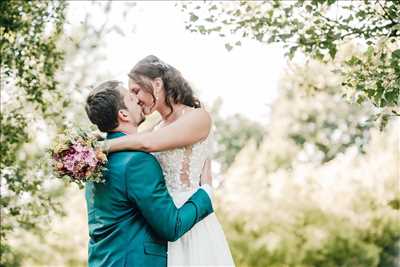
[{"x": 146, "y": 186}]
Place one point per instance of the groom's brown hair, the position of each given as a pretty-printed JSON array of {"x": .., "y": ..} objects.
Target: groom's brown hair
[{"x": 103, "y": 105}]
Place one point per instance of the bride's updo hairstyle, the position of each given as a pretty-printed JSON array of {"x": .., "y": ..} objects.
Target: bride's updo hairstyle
[{"x": 177, "y": 89}]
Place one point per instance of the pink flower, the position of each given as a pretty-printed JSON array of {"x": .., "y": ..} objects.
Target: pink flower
[{"x": 79, "y": 160}]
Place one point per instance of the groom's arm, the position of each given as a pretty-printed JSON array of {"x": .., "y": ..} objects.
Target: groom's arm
[{"x": 146, "y": 186}]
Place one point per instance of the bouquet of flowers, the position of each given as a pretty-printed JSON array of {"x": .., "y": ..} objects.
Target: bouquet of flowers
[{"x": 77, "y": 158}]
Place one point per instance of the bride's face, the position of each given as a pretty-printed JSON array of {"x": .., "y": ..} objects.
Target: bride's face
[{"x": 146, "y": 99}]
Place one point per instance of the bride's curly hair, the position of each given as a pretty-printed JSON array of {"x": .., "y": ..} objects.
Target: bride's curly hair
[{"x": 177, "y": 89}]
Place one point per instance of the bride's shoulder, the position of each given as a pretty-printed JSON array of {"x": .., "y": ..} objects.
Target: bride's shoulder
[{"x": 198, "y": 116}]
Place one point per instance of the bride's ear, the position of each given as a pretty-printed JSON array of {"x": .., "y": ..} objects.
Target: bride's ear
[{"x": 158, "y": 84}]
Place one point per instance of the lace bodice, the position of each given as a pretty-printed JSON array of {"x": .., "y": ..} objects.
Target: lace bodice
[{"x": 182, "y": 167}]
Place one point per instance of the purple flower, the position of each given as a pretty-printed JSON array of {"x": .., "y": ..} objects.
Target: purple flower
[{"x": 79, "y": 159}]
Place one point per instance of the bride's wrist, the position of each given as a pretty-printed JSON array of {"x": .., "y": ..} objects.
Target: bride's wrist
[{"x": 104, "y": 146}]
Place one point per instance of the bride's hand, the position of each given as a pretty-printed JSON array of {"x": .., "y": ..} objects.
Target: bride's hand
[
  {"x": 104, "y": 146},
  {"x": 206, "y": 173},
  {"x": 98, "y": 135}
]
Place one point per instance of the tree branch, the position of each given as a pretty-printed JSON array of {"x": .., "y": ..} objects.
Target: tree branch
[
  {"x": 387, "y": 14},
  {"x": 354, "y": 30}
]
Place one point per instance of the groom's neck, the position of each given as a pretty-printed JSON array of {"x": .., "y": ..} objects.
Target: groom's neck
[{"x": 126, "y": 128}]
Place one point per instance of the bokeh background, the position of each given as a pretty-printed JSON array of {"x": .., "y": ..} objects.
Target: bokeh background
[{"x": 304, "y": 97}]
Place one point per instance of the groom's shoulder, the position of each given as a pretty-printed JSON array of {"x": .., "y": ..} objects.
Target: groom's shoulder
[
  {"x": 134, "y": 157},
  {"x": 140, "y": 156},
  {"x": 141, "y": 162}
]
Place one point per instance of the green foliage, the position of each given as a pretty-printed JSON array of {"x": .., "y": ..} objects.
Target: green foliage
[
  {"x": 232, "y": 134},
  {"x": 34, "y": 203},
  {"x": 330, "y": 214},
  {"x": 321, "y": 188},
  {"x": 30, "y": 58},
  {"x": 322, "y": 136},
  {"x": 12, "y": 137},
  {"x": 29, "y": 62},
  {"x": 375, "y": 75},
  {"x": 324, "y": 125},
  {"x": 65, "y": 243},
  {"x": 318, "y": 29}
]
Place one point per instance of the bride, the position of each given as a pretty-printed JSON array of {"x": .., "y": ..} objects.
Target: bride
[{"x": 182, "y": 144}]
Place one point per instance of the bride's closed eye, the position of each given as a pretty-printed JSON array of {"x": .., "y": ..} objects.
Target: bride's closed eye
[{"x": 135, "y": 91}]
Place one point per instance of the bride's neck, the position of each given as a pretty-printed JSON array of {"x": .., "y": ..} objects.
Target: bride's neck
[{"x": 166, "y": 114}]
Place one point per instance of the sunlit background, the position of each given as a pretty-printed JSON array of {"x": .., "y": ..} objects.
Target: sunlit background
[
  {"x": 246, "y": 78},
  {"x": 306, "y": 162}
]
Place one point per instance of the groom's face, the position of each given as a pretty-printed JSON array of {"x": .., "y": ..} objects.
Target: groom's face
[{"x": 134, "y": 109}]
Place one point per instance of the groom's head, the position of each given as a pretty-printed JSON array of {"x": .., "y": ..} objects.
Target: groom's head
[{"x": 110, "y": 106}]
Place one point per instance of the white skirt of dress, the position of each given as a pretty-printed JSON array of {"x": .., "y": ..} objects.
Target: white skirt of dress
[{"x": 204, "y": 245}]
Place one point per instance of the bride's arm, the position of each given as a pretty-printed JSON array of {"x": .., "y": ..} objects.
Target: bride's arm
[
  {"x": 151, "y": 128},
  {"x": 191, "y": 128}
]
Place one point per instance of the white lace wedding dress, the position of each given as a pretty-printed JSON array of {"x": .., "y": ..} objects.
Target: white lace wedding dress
[{"x": 205, "y": 243}]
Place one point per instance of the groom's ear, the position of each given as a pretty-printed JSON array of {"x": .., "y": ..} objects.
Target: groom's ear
[{"x": 123, "y": 115}]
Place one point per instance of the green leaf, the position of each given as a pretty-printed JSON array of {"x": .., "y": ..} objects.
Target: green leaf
[
  {"x": 271, "y": 39},
  {"x": 396, "y": 53},
  {"x": 370, "y": 51},
  {"x": 332, "y": 51},
  {"x": 213, "y": 7},
  {"x": 309, "y": 8},
  {"x": 292, "y": 51},
  {"x": 228, "y": 47},
  {"x": 193, "y": 17}
]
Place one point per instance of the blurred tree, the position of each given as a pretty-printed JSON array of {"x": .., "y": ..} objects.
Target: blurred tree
[
  {"x": 29, "y": 61},
  {"x": 43, "y": 83},
  {"x": 232, "y": 134},
  {"x": 279, "y": 209},
  {"x": 318, "y": 28},
  {"x": 316, "y": 176},
  {"x": 312, "y": 128},
  {"x": 324, "y": 125}
]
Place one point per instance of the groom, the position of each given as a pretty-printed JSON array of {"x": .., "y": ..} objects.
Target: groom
[{"x": 131, "y": 216}]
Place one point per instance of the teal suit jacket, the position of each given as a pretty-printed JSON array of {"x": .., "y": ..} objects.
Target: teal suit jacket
[{"x": 131, "y": 216}]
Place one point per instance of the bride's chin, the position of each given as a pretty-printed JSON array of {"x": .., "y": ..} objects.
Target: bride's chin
[{"x": 147, "y": 111}]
